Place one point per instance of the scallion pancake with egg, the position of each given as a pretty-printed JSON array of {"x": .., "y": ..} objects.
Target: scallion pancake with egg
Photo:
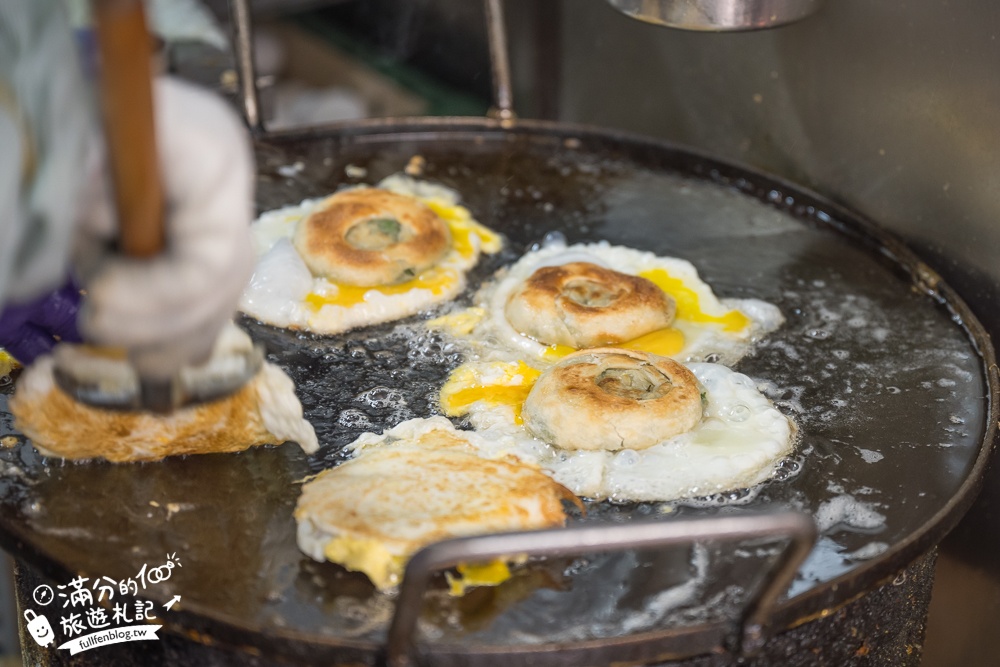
[
  {"x": 363, "y": 256},
  {"x": 265, "y": 411},
  {"x": 421, "y": 482},
  {"x": 558, "y": 299},
  {"x": 625, "y": 425}
]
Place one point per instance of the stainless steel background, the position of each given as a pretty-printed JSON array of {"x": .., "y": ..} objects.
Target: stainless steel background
[{"x": 890, "y": 107}]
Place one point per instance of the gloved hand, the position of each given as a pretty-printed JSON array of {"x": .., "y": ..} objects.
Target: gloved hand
[
  {"x": 29, "y": 330},
  {"x": 167, "y": 311}
]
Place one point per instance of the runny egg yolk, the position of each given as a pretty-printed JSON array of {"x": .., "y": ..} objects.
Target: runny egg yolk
[
  {"x": 368, "y": 556},
  {"x": 670, "y": 341},
  {"x": 664, "y": 342},
  {"x": 7, "y": 363},
  {"x": 689, "y": 304},
  {"x": 493, "y": 573},
  {"x": 466, "y": 386},
  {"x": 461, "y": 323},
  {"x": 463, "y": 225},
  {"x": 435, "y": 279}
]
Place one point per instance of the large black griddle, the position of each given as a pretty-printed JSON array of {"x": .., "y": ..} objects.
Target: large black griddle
[{"x": 889, "y": 377}]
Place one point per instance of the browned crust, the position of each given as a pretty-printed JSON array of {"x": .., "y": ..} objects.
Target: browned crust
[
  {"x": 60, "y": 426},
  {"x": 321, "y": 238},
  {"x": 446, "y": 492},
  {"x": 543, "y": 309},
  {"x": 569, "y": 409}
]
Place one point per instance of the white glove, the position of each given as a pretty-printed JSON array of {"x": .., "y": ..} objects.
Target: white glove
[
  {"x": 47, "y": 126},
  {"x": 167, "y": 311}
]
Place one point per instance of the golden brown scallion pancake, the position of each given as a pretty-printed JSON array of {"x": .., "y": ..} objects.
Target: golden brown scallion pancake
[
  {"x": 368, "y": 236},
  {"x": 363, "y": 256},
  {"x": 611, "y": 399},
  {"x": 265, "y": 411},
  {"x": 582, "y": 305},
  {"x": 418, "y": 483}
]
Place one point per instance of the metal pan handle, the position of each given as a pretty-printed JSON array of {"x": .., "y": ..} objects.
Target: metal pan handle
[
  {"x": 242, "y": 24},
  {"x": 753, "y": 628}
]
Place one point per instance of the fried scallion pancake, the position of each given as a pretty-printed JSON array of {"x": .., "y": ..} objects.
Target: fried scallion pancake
[
  {"x": 265, "y": 411},
  {"x": 419, "y": 483}
]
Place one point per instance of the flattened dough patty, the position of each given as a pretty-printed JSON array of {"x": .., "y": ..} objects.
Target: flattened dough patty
[
  {"x": 612, "y": 399},
  {"x": 369, "y": 237},
  {"x": 585, "y": 305}
]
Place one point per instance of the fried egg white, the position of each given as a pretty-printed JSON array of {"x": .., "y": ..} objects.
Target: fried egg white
[
  {"x": 705, "y": 328},
  {"x": 737, "y": 444},
  {"x": 284, "y": 292},
  {"x": 421, "y": 482}
]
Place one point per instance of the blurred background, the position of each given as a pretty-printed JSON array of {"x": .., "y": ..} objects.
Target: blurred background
[{"x": 890, "y": 108}]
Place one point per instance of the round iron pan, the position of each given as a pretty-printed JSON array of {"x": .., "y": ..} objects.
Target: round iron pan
[{"x": 928, "y": 425}]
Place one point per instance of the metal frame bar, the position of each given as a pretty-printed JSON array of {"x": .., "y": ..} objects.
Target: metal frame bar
[
  {"x": 496, "y": 30},
  {"x": 242, "y": 21},
  {"x": 751, "y": 629}
]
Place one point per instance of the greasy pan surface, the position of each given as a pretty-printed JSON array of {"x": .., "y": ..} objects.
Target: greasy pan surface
[{"x": 882, "y": 368}]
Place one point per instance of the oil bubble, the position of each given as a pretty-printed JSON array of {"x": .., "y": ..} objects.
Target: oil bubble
[
  {"x": 737, "y": 413},
  {"x": 381, "y": 397},
  {"x": 627, "y": 457},
  {"x": 355, "y": 419},
  {"x": 554, "y": 238}
]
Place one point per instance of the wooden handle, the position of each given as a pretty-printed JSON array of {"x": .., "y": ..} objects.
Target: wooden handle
[{"x": 126, "y": 51}]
